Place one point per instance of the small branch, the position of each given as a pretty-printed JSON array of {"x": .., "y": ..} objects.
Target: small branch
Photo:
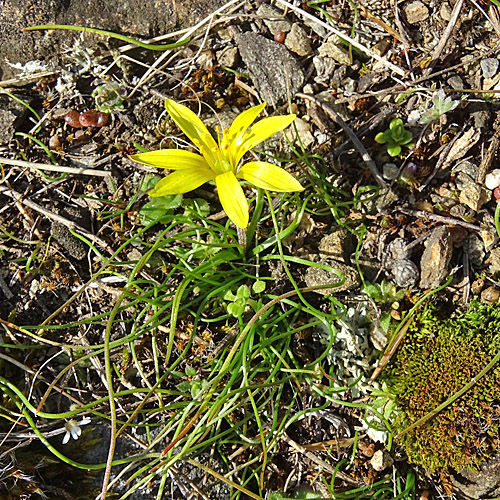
[
  {"x": 352, "y": 136},
  {"x": 55, "y": 168}
]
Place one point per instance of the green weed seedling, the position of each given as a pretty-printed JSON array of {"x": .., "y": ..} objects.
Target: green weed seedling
[
  {"x": 237, "y": 303},
  {"x": 395, "y": 137},
  {"x": 108, "y": 97},
  {"x": 441, "y": 105}
]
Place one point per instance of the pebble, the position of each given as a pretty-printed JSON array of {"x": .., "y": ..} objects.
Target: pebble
[
  {"x": 390, "y": 171},
  {"x": 489, "y": 67},
  {"x": 297, "y": 41},
  {"x": 445, "y": 11},
  {"x": 494, "y": 260},
  {"x": 304, "y": 132},
  {"x": 381, "y": 47},
  {"x": 416, "y": 12},
  {"x": 228, "y": 57},
  {"x": 490, "y": 296},
  {"x": 474, "y": 196},
  {"x": 492, "y": 180},
  {"x": 331, "y": 49},
  {"x": 274, "y": 19},
  {"x": 436, "y": 257},
  {"x": 381, "y": 460},
  {"x": 405, "y": 273}
]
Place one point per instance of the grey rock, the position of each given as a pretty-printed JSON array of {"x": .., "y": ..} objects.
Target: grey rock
[
  {"x": 474, "y": 247},
  {"x": 470, "y": 485},
  {"x": 416, "y": 12},
  {"x": 494, "y": 261},
  {"x": 228, "y": 57},
  {"x": 271, "y": 66},
  {"x": 467, "y": 167},
  {"x": 75, "y": 247},
  {"x": 381, "y": 47},
  {"x": 316, "y": 276},
  {"x": 339, "y": 245},
  {"x": 274, "y": 19},
  {"x": 489, "y": 67},
  {"x": 474, "y": 196},
  {"x": 332, "y": 49},
  {"x": 435, "y": 258},
  {"x": 298, "y": 41},
  {"x": 139, "y": 19},
  {"x": 11, "y": 114},
  {"x": 455, "y": 82}
]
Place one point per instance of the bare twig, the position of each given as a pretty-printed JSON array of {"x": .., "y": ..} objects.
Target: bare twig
[
  {"x": 487, "y": 160},
  {"x": 445, "y": 37},
  {"x": 51, "y": 215},
  {"x": 352, "y": 136},
  {"x": 55, "y": 168},
  {"x": 439, "y": 218}
]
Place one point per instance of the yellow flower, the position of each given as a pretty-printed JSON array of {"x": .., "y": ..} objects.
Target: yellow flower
[{"x": 219, "y": 161}]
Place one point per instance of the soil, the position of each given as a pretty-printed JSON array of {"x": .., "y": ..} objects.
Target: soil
[{"x": 435, "y": 202}]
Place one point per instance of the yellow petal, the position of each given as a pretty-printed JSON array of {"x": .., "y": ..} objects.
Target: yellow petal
[
  {"x": 194, "y": 128},
  {"x": 175, "y": 159},
  {"x": 243, "y": 121},
  {"x": 232, "y": 198},
  {"x": 268, "y": 176},
  {"x": 261, "y": 131},
  {"x": 182, "y": 181}
]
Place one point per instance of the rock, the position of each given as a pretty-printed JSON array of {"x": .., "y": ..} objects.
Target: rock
[
  {"x": 304, "y": 132},
  {"x": 489, "y": 237},
  {"x": 75, "y": 247},
  {"x": 271, "y": 66},
  {"x": 489, "y": 67},
  {"x": 455, "y": 82},
  {"x": 381, "y": 47},
  {"x": 491, "y": 295},
  {"x": 416, "y": 12},
  {"x": 11, "y": 115},
  {"x": 381, "y": 460},
  {"x": 316, "y": 276},
  {"x": 494, "y": 261},
  {"x": 339, "y": 245},
  {"x": 298, "y": 41},
  {"x": 135, "y": 18},
  {"x": 474, "y": 196},
  {"x": 435, "y": 258},
  {"x": 474, "y": 247},
  {"x": 483, "y": 484},
  {"x": 390, "y": 171},
  {"x": 228, "y": 57},
  {"x": 332, "y": 49},
  {"x": 445, "y": 12},
  {"x": 274, "y": 19},
  {"x": 492, "y": 179}
]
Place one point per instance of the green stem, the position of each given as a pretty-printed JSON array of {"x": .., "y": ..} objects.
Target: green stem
[{"x": 124, "y": 38}]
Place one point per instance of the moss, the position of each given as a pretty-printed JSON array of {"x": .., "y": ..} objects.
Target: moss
[{"x": 439, "y": 356}]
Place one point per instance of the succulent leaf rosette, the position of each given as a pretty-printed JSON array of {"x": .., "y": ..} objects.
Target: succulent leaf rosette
[
  {"x": 395, "y": 137},
  {"x": 220, "y": 161}
]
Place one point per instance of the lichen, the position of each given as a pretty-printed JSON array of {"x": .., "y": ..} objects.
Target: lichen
[{"x": 439, "y": 356}]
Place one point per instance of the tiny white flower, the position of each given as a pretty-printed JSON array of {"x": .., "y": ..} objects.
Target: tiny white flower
[
  {"x": 73, "y": 429},
  {"x": 413, "y": 117}
]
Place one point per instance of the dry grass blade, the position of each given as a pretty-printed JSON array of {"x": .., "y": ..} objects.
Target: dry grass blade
[{"x": 55, "y": 168}]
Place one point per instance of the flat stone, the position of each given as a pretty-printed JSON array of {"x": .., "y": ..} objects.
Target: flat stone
[
  {"x": 228, "y": 57},
  {"x": 489, "y": 67},
  {"x": 274, "y": 19},
  {"x": 338, "y": 245},
  {"x": 381, "y": 460},
  {"x": 316, "y": 276},
  {"x": 75, "y": 247},
  {"x": 332, "y": 49},
  {"x": 474, "y": 196},
  {"x": 416, "y": 12},
  {"x": 485, "y": 483},
  {"x": 11, "y": 114},
  {"x": 271, "y": 66},
  {"x": 298, "y": 41},
  {"x": 436, "y": 257},
  {"x": 381, "y": 47},
  {"x": 494, "y": 261},
  {"x": 304, "y": 131}
]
